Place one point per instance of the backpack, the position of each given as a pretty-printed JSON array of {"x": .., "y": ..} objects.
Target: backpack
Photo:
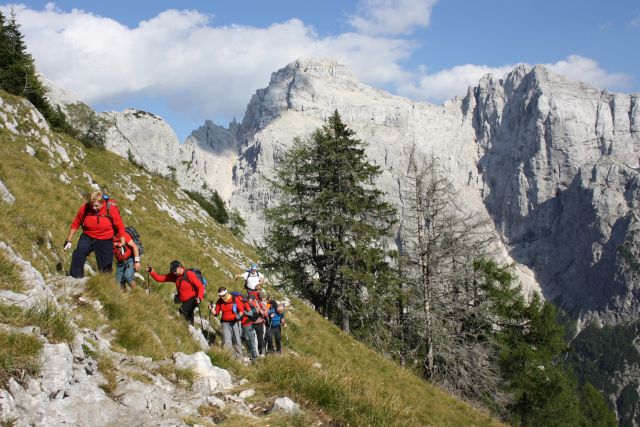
[
  {"x": 235, "y": 296},
  {"x": 246, "y": 281},
  {"x": 253, "y": 314},
  {"x": 200, "y": 277},
  {"x": 136, "y": 239}
]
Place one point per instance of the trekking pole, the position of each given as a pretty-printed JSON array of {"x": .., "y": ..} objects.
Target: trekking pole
[{"x": 201, "y": 322}]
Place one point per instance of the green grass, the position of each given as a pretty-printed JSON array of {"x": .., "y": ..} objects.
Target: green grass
[
  {"x": 18, "y": 356},
  {"x": 146, "y": 324},
  {"x": 52, "y": 321},
  {"x": 110, "y": 373},
  {"x": 10, "y": 277},
  {"x": 355, "y": 386}
]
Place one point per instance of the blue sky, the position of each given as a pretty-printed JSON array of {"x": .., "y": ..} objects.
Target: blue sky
[{"x": 189, "y": 61}]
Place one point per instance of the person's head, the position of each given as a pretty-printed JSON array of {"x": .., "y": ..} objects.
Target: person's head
[
  {"x": 280, "y": 308},
  {"x": 253, "y": 269},
  {"x": 94, "y": 199},
  {"x": 176, "y": 267},
  {"x": 223, "y": 293}
]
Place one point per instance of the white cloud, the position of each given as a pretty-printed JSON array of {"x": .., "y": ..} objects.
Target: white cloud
[
  {"x": 578, "y": 67},
  {"x": 605, "y": 26},
  {"x": 635, "y": 22},
  {"x": 391, "y": 17},
  {"x": 203, "y": 71},
  {"x": 445, "y": 84},
  {"x": 178, "y": 56}
]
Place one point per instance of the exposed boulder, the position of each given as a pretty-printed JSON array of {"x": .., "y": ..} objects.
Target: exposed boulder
[{"x": 286, "y": 405}]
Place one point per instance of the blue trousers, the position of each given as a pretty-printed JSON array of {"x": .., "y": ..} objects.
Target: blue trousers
[{"x": 86, "y": 245}]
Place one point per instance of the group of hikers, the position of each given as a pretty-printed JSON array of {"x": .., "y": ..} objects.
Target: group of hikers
[{"x": 256, "y": 316}]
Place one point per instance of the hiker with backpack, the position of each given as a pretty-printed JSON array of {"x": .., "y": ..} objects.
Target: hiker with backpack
[
  {"x": 252, "y": 278},
  {"x": 127, "y": 257},
  {"x": 275, "y": 321},
  {"x": 259, "y": 323},
  {"x": 251, "y": 314},
  {"x": 189, "y": 285},
  {"x": 231, "y": 310},
  {"x": 98, "y": 217}
]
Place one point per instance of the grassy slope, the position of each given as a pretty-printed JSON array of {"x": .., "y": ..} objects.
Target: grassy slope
[{"x": 355, "y": 384}]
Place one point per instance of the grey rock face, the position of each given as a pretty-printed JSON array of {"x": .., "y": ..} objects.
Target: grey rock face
[
  {"x": 140, "y": 135},
  {"x": 561, "y": 168},
  {"x": 57, "y": 368},
  {"x": 36, "y": 293}
]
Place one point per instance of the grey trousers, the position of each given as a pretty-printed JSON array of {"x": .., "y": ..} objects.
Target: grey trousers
[
  {"x": 231, "y": 331},
  {"x": 250, "y": 338}
]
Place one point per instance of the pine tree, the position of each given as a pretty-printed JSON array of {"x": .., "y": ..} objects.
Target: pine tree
[
  {"x": 327, "y": 236},
  {"x": 532, "y": 348}
]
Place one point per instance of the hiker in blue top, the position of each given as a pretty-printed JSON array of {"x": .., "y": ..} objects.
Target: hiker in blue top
[{"x": 275, "y": 322}]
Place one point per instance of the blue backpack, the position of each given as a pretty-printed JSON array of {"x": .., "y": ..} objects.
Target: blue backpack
[{"x": 252, "y": 313}]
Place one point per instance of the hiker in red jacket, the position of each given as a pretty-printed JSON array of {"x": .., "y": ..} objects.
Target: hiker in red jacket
[
  {"x": 190, "y": 288},
  {"x": 127, "y": 260},
  {"x": 231, "y": 310},
  {"x": 98, "y": 217}
]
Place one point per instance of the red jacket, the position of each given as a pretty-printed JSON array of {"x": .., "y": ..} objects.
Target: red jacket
[
  {"x": 184, "y": 286},
  {"x": 226, "y": 308},
  {"x": 128, "y": 253},
  {"x": 98, "y": 225},
  {"x": 245, "y": 319}
]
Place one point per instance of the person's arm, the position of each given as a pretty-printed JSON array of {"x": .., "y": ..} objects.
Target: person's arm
[
  {"x": 77, "y": 223},
  {"x": 218, "y": 308},
  {"x": 162, "y": 277},
  {"x": 136, "y": 254},
  {"x": 118, "y": 225}
]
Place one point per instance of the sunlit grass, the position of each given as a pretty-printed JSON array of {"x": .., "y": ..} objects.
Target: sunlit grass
[
  {"x": 52, "y": 321},
  {"x": 10, "y": 277},
  {"x": 18, "y": 356},
  {"x": 144, "y": 324}
]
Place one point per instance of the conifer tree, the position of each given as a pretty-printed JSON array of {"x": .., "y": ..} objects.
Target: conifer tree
[
  {"x": 18, "y": 73},
  {"x": 327, "y": 236}
]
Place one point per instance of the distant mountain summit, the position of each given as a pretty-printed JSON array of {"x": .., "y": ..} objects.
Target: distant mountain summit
[{"x": 552, "y": 163}]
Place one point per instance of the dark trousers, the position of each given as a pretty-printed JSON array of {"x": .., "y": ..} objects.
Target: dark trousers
[
  {"x": 274, "y": 332},
  {"x": 259, "y": 328},
  {"x": 86, "y": 245},
  {"x": 187, "y": 308}
]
